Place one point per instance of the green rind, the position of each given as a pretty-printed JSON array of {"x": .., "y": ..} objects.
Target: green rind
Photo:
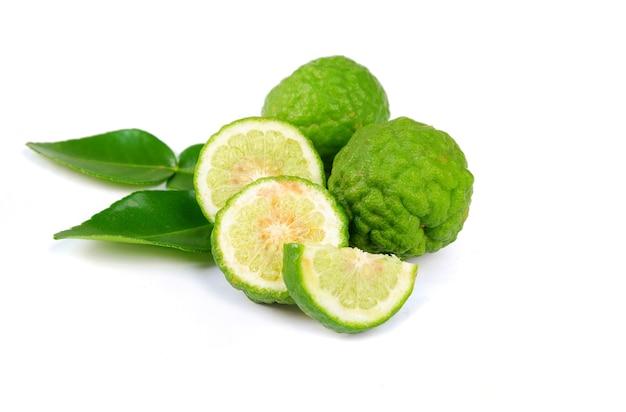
[
  {"x": 305, "y": 298},
  {"x": 256, "y": 294},
  {"x": 328, "y": 98},
  {"x": 405, "y": 186}
]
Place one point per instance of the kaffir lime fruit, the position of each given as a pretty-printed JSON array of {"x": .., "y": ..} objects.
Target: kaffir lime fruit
[
  {"x": 328, "y": 99},
  {"x": 346, "y": 289},
  {"x": 248, "y": 149},
  {"x": 405, "y": 187},
  {"x": 250, "y": 230}
]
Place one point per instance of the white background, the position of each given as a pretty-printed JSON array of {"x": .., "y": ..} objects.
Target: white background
[{"x": 525, "y": 311}]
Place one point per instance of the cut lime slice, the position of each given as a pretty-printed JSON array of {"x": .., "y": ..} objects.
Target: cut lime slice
[
  {"x": 250, "y": 230},
  {"x": 346, "y": 289},
  {"x": 246, "y": 150}
]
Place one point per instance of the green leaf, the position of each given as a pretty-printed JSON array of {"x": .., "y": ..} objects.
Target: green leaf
[
  {"x": 128, "y": 156},
  {"x": 170, "y": 218},
  {"x": 183, "y": 179}
]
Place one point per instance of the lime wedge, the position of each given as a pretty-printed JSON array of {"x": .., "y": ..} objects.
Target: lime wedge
[
  {"x": 251, "y": 229},
  {"x": 246, "y": 150},
  {"x": 346, "y": 289}
]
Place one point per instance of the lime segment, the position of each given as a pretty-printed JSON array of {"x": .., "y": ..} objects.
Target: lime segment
[
  {"x": 251, "y": 229},
  {"x": 246, "y": 150},
  {"x": 346, "y": 289}
]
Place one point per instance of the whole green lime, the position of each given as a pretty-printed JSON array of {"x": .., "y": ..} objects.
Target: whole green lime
[
  {"x": 405, "y": 187},
  {"x": 328, "y": 99}
]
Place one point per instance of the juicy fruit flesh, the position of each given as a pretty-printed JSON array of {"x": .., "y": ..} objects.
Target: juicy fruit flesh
[
  {"x": 355, "y": 278},
  {"x": 266, "y": 224},
  {"x": 251, "y": 229},
  {"x": 252, "y": 155}
]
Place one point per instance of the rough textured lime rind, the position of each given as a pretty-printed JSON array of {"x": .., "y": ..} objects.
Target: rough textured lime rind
[
  {"x": 328, "y": 99},
  {"x": 247, "y": 149},
  {"x": 306, "y": 287},
  {"x": 275, "y": 192},
  {"x": 405, "y": 187}
]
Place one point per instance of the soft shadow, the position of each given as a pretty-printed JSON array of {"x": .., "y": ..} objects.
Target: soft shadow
[
  {"x": 104, "y": 250},
  {"x": 298, "y": 320}
]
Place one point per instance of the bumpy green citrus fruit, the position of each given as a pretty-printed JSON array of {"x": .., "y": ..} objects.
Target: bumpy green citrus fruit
[
  {"x": 248, "y": 149},
  {"x": 328, "y": 99},
  {"x": 405, "y": 187},
  {"x": 346, "y": 289},
  {"x": 250, "y": 230}
]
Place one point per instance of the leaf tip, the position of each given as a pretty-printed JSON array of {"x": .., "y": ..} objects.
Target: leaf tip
[{"x": 60, "y": 235}]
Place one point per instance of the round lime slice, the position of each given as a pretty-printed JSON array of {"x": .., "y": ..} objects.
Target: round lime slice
[
  {"x": 251, "y": 229},
  {"x": 246, "y": 150},
  {"x": 346, "y": 289}
]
